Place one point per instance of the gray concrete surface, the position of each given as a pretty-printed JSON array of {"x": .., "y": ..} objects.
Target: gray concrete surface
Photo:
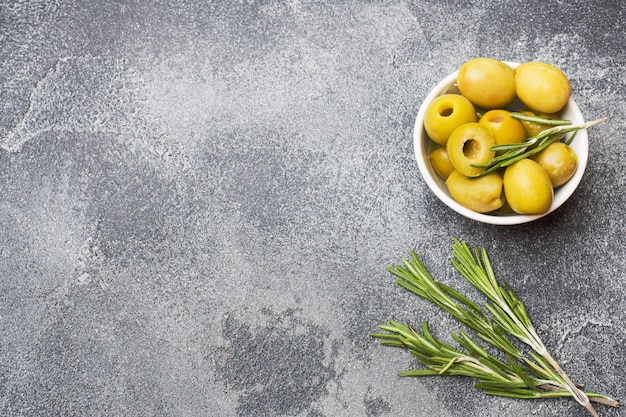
[{"x": 200, "y": 199}]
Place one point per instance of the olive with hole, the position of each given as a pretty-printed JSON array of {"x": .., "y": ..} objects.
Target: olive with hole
[
  {"x": 504, "y": 128},
  {"x": 446, "y": 113},
  {"x": 470, "y": 144}
]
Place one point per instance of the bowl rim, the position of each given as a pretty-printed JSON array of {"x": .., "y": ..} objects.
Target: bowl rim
[{"x": 437, "y": 184}]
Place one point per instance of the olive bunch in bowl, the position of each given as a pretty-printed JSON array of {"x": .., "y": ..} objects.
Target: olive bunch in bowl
[{"x": 502, "y": 142}]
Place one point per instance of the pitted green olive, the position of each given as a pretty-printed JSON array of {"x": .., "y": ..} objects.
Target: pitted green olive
[
  {"x": 446, "y": 113},
  {"x": 504, "y": 128},
  {"x": 470, "y": 144}
]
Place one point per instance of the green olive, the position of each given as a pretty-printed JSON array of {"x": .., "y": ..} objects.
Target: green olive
[
  {"x": 504, "y": 128},
  {"x": 506, "y": 207},
  {"x": 446, "y": 113},
  {"x": 482, "y": 194},
  {"x": 542, "y": 87},
  {"x": 527, "y": 187},
  {"x": 559, "y": 161},
  {"x": 470, "y": 144},
  {"x": 487, "y": 82},
  {"x": 532, "y": 128},
  {"x": 441, "y": 163}
]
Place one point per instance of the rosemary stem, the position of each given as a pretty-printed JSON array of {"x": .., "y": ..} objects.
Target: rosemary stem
[{"x": 578, "y": 395}]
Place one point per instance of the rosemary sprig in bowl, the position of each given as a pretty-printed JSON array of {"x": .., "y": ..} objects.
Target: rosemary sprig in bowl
[
  {"x": 513, "y": 374},
  {"x": 514, "y": 152}
]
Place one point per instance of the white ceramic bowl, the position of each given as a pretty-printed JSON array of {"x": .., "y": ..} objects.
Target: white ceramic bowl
[{"x": 423, "y": 146}]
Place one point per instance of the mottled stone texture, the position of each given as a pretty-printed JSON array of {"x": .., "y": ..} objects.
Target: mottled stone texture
[{"x": 199, "y": 201}]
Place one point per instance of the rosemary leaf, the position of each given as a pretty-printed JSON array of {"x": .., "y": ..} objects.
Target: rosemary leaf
[
  {"x": 539, "y": 120},
  {"x": 418, "y": 372}
]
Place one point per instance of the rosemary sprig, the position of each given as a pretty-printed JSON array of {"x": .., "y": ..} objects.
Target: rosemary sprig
[
  {"x": 513, "y": 374},
  {"x": 540, "y": 120},
  {"x": 514, "y": 152}
]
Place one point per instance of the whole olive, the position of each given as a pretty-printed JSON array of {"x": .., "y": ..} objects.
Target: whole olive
[
  {"x": 542, "y": 87},
  {"x": 441, "y": 163},
  {"x": 527, "y": 187},
  {"x": 560, "y": 162},
  {"x": 482, "y": 194},
  {"x": 487, "y": 82},
  {"x": 532, "y": 128}
]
